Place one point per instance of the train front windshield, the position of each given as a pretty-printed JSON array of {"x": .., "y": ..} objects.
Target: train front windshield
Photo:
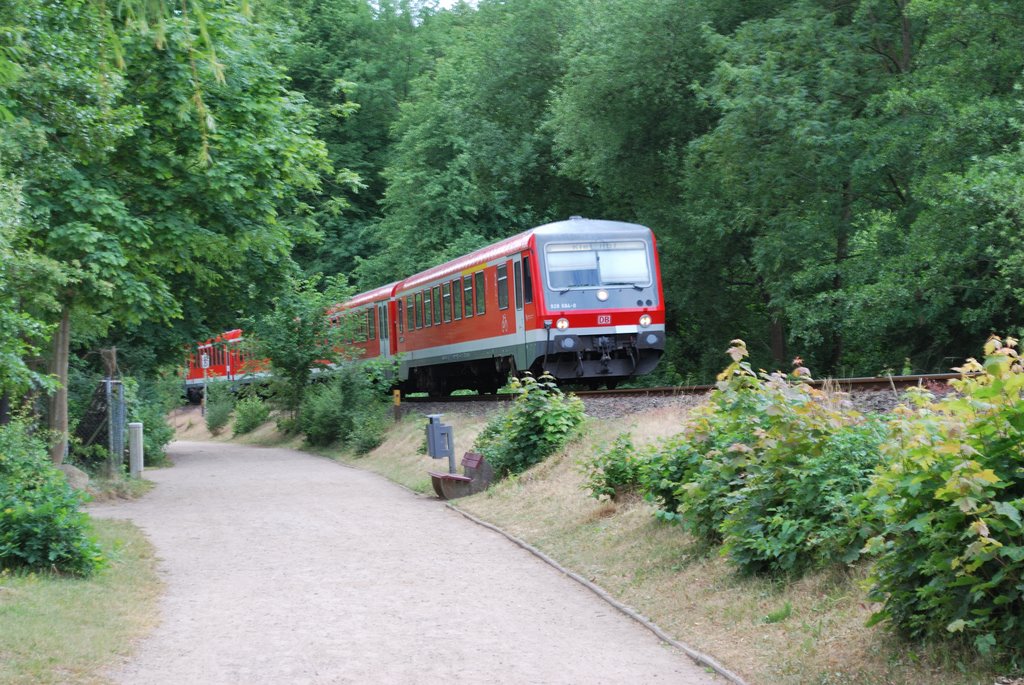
[{"x": 595, "y": 265}]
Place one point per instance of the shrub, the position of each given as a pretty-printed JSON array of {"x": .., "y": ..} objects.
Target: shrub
[
  {"x": 661, "y": 475},
  {"x": 771, "y": 467},
  {"x": 952, "y": 497},
  {"x": 369, "y": 427},
  {"x": 540, "y": 422},
  {"x": 614, "y": 470},
  {"x": 324, "y": 417},
  {"x": 802, "y": 502},
  {"x": 41, "y": 527},
  {"x": 250, "y": 414},
  {"x": 220, "y": 402},
  {"x": 348, "y": 408},
  {"x": 721, "y": 435}
]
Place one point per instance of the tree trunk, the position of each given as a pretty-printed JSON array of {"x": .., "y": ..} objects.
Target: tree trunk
[
  {"x": 58, "y": 423},
  {"x": 5, "y": 408}
]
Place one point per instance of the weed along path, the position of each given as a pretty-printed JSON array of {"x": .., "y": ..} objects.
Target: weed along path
[{"x": 282, "y": 567}]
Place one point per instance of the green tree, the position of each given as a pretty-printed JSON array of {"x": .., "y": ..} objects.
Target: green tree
[
  {"x": 939, "y": 267},
  {"x": 155, "y": 184},
  {"x": 784, "y": 167},
  {"x": 354, "y": 62},
  {"x": 471, "y": 161},
  {"x": 300, "y": 338}
]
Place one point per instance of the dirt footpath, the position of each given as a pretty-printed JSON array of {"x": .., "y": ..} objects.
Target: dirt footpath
[{"x": 287, "y": 568}]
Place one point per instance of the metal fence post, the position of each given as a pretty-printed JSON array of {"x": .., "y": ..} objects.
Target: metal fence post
[{"x": 135, "y": 449}]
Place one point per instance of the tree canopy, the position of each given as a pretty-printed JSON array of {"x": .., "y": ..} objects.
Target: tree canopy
[{"x": 841, "y": 182}]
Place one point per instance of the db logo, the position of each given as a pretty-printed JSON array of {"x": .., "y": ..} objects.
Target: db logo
[{"x": 604, "y": 320}]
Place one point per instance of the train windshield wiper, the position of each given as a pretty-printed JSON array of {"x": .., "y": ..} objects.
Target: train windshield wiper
[
  {"x": 567, "y": 288},
  {"x": 631, "y": 285}
]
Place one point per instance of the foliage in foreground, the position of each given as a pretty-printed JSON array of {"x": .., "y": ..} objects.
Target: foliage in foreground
[
  {"x": 787, "y": 479},
  {"x": 66, "y": 630},
  {"x": 952, "y": 497},
  {"x": 771, "y": 467},
  {"x": 542, "y": 419},
  {"x": 41, "y": 526}
]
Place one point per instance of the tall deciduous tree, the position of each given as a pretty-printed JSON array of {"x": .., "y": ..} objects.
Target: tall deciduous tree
[{"x": 151, "y": 185}]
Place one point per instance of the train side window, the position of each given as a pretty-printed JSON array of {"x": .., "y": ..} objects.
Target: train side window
[
  {"x": 527, "y": 280},
  {"x": 382, "y": 321},
  {"x": 446, "y": 298},
  {"x": 372, "y": 322},
  {"x": 467, "y": 295},
  {"x": 427, "y": 309},
  {"x": 410, "y": 318},
  {"x": 517, "y": 272},
  {"x": 480, "y": 291},
  {"x": 437, "y": 305},
  {"x": 503, "y": 286},
  {"x": 419, "y": 310},
  {"x": 401, "y": 316},
  {"x": 457, "y": 298}
]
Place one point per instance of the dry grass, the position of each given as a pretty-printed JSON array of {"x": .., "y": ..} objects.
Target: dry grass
[
  {"x": 692, "y": 593},
  {"x": 105, "y": 489},
  {"x": 402, "y": 457},
  {"x": 68, "y": 630}
]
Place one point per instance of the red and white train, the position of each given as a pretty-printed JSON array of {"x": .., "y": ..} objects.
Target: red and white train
[{"x": 580, "y": 299}]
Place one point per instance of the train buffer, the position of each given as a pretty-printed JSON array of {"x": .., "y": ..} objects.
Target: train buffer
[{"x": 476, "y": 476}]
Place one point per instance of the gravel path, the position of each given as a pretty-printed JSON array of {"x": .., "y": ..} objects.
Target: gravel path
[{"x": 286, "y": 568}]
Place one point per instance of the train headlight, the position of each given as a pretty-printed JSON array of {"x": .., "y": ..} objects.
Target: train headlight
[
  {"x": 645, "y": 320},
  {"x": 602, "y": 295},
  {"x": 562, "y": 324}
]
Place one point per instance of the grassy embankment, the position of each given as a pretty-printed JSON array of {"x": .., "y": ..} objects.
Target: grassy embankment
[
  {"x": 68, "y": 630},
  {"x": 811, "y": 631}
]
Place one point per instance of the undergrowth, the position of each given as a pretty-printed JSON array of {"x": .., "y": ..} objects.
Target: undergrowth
[
  {"x": 787, "y": 478},
  {"x": 542, "y": 419}
]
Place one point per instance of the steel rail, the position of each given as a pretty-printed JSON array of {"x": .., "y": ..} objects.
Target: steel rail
[{"x": 846, "y": 384}]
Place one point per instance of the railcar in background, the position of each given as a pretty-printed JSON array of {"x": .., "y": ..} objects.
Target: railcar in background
[
  {"x": 580, "y": 299},
  {"x": 221, "y": 358}
]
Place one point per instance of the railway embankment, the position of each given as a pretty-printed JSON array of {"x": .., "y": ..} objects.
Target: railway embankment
[{"x": 811, "y": 630}]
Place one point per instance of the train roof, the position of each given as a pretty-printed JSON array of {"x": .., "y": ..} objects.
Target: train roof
[
  {"x": 575, "y": 226},
  {"x": 382, "y": 293},
  {"x": 516, "y": 243}
]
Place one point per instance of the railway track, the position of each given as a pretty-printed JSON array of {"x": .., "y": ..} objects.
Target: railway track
[{"x": 865, "y": 383}]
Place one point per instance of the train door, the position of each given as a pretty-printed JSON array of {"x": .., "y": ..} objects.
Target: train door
[
  {"x": 394, "y": 325},
  {"x": 519, "y": 293},
  {"x": 383, "y": 330},
  {"x": 525, "y": 292}
]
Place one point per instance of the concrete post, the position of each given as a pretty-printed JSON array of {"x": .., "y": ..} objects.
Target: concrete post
[{"x": 135, "y": 450}]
